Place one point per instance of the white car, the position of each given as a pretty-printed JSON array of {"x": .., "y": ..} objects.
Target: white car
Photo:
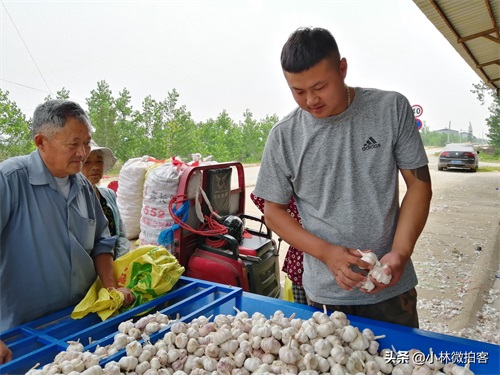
[{"x": 458, "y": 155}]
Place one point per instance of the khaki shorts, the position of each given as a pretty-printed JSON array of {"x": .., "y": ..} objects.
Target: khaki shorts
[{"x": 400, "y": 310}]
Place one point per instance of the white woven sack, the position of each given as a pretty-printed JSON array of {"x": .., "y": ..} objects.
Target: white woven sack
[
  {"x": 130, "y": 192},
  {"x": 162, "y": 183}
]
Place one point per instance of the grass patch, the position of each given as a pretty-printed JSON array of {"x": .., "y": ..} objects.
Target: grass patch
[
  {"x": 488, "y": 169},
  {"x": 489, "y": 158}
]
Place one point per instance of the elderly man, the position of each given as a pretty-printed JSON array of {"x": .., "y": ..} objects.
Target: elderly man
[{"x": 54, "y": 237}]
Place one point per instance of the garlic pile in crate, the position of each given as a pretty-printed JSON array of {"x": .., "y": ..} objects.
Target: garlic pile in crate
[
  {"x": 377, "y": 272},
  {"x": 72, "y": 361},
  {"x": 240, "y": 344}
]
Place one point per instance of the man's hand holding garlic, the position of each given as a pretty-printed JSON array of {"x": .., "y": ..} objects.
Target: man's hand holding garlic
[
  {"x": 340, "y": 261},
  {"x": 397, "y": 263},
  {"x": 382, "y": 273},
  {"x": 345, "y": 265},
  {"x": 379, "y": 275}
]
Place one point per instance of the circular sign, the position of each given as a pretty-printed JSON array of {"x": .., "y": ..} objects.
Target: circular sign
[
  {"x": 419, "y": 123},
  {"x": 417, "y": 110}
]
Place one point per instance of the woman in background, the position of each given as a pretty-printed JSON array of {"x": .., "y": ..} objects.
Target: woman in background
[
  {"x": 99, "y": 161},
  {"x": 292, "y": 265}
]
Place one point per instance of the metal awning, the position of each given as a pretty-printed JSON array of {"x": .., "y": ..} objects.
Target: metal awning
[{"x": 471, "y": 27}]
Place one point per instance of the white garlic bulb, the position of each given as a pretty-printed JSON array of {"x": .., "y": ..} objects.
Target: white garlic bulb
[
  {"x": 378, "y": 273},
  {"x": 368, "y": 285},
  {"x": 75, "y": 346},
  {"x": 368, "y": 257}
]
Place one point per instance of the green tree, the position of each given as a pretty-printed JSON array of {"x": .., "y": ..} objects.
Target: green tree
[
  {"x": 220, "y": 137},
  {"x": 493, "y": 121},
  {"x": 160, "y": 129},
  {"x": 247, "y": 149},
  {"x": 131, "y": 137},
  {"x": 62, "y": 94},
  {"x": 264, "y": 128},
  {"x": 180, "y": 135},
  {"x": 185, "y": 139},
  {"x": 103, "y": 115},
  {"x": 430, "y": 138},
  {"x": 253, "y": 137},
  {"x": 15, "y": 133},
  {"x": 154, "y": 118}
]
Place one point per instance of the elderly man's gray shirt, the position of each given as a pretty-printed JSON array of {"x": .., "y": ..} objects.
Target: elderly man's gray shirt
[{"x": 47, "y": 242}]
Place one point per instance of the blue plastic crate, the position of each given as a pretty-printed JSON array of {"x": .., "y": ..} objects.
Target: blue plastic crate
[
  {"x": 399, "y": 337},
  {"x": 38, "y": 342}
]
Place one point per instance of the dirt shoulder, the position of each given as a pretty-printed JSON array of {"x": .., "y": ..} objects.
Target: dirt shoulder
[{"x": 457, "y": 256}]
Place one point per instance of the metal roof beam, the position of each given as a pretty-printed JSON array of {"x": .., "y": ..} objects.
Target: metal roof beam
[
  {"x": 492, "y": 16},
  {"x": 489, "y": 63},
  {"x": 481, "y": 34},
  {"x": 450, "y": 26},
  {"x": 492, "y": 38}
]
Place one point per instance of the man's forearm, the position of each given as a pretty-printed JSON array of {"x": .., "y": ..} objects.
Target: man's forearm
[
  {"x": 412, "y": 218},
  {"x": 104, "y": 267}
]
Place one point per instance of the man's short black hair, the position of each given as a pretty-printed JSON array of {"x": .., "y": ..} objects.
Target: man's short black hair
[{"x": 306, "y": 47}]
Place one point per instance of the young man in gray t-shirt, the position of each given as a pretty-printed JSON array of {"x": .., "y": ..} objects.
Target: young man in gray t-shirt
[{"x": 339, "y": 154}]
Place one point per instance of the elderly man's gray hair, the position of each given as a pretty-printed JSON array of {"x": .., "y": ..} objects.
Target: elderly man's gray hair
[{"x": 51, "y": 116}]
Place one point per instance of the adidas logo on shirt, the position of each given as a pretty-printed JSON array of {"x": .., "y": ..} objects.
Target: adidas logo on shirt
[{"x": 370, "y": 143}]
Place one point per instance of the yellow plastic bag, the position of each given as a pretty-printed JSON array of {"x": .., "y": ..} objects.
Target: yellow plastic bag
[
  {"x": 100, "y": 300},
  {"x": 148, "y": 271},
  {"x": 287, "y": 290}
]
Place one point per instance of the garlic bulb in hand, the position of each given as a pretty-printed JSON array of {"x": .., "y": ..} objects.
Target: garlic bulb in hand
[
  {"x": 368, "y": 285},
  {"x": 369, "y": 257},
  {"x": 378, "y": 273}
]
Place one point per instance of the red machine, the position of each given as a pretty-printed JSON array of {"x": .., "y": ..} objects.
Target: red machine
[{"x": 244, "y": 257}]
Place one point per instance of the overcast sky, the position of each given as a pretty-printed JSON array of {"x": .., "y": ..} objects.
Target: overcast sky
[{"x": 224, "y": 55}]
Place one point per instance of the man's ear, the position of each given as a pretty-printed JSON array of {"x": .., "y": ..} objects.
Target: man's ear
[
  {"x": 39, "y": 140},
  {"x": 343, "y": 67}
]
